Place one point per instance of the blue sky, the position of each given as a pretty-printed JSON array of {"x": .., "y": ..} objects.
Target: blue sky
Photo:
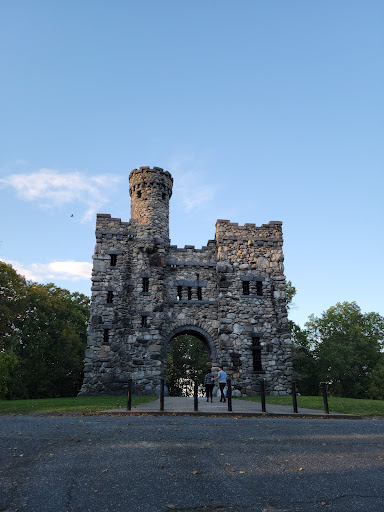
[{"x": 261, "y": 110}]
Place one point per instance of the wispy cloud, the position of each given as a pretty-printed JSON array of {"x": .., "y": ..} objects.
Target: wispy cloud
[
  {"x": 52, "y": 188},
  {"x": 61, "y": 270},
  {"x": 190, "y": 186}
]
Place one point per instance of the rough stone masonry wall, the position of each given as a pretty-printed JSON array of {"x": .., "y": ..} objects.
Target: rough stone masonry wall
[
  {"x": 251, "y": 253},
  {"x": 128, "y": 336}
]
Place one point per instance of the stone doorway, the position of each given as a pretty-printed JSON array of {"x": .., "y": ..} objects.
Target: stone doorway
[{"x": 189, "y": 356}]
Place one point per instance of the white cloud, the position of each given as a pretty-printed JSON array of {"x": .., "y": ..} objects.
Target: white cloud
[
  {"x": 52, "y": 188},
  {"x": 60, "y": 270},
  {"x": 189, "y": 187}
]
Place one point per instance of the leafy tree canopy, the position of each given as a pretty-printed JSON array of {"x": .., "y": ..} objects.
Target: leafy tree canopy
[
  {"x": 13, "y": 290},
  {"x": 346, "y": 345},
  {"x": 42, "y": 352}
]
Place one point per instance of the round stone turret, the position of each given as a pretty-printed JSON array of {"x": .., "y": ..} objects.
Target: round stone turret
[{"x": 150, "y": 191}]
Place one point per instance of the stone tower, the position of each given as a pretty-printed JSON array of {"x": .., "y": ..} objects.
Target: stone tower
[
  {"x": 150, "y": 191},
  {"x": 230, "y": 294}
]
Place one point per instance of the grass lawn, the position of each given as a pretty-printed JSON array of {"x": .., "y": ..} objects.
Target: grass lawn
[
  {"x": 343, "y": 405},
  {"x": 70, "y": 405}
]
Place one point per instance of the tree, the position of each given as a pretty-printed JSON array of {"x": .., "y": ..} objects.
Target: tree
[
  {"x": 13, "y": 290},
  {"x": 8, "y": 362},
  {"x": 305, "y": 365},
  {"x": 42, "y": 338},
  {"x": 50, "y": 344},
  {"x": 187, "y": 360},
  {"x": 346, "y": 346},
  {"x": 290, "y": 292},
  {"x": 376, "y": 384}
]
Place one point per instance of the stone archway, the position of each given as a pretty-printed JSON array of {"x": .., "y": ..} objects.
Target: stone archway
[
  {"x": 199, "y": 333},
  {"x": 188, "y": 352}
]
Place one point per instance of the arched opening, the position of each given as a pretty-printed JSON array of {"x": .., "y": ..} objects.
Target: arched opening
[{"x": 189, "y": 354}]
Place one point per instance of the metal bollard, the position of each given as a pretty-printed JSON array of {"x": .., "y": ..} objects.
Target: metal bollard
[
  {"x": 325, "y": 398},
  {"x": 129, "y": 396},
  {"x": 262, "y": 394},
  {"x": 195, "y": 397},
  {"x": 294, "y": 397},
  {"x": 162, "y": 383},
  {"x": 229, "y": 394}
]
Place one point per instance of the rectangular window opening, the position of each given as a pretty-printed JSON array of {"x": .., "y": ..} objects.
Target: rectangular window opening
[
  {"x": 109, "y": 297},
  {"x": 199, "y": 293},
  {"x": 145, "y": 284},
  {"x": 179, "y": 292},
  {"x": 259, "y": 288},
  {"x": 144, "y": 321},
  {"x": 113, "y": 260},
  {"x": 106, "y": 335},
  {"x": 256, "y": 349},
  {"x": 245, "y": 287},
  {"x": 189, "y": 292}
]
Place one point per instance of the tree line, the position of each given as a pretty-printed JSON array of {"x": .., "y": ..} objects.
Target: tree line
[
  {"x": 42, "y": 338},
  {"x": 343, "y": 347}
]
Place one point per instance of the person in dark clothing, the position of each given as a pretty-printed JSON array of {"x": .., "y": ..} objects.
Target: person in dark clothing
[{"x": 209, "y": 383}]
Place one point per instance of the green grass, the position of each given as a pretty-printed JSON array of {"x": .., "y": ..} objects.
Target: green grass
[
  {"x": 70, "y": 405},
  {"x": 356, "y": 406}
]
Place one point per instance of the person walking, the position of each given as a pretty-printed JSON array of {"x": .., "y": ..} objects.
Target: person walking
[
  {"x": 222, "y": 377},
  {"x": 209, "y": 383}
]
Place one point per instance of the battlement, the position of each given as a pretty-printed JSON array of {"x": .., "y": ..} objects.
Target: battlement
[
  {"x": 231, "y": 231},
  {"x": 146, "y": 169},
  {"x": 149, "y": 180}
]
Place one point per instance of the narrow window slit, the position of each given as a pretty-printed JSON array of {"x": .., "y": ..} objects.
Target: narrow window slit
[
  {"x": 109, "y": 297},
  {"x": 256, "y": 349},
  {"x": 113, "y": 260},
  {"x": 245, "y": 287},
  {"x": 146, "y": 284}
]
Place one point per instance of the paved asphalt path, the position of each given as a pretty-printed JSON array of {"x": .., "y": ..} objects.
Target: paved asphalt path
[{"x": 190, "y": 464}]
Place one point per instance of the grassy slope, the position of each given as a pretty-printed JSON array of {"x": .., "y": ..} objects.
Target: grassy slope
[
  {"x": 69, "y": 405},
  {"x": 336, "y": 404}
]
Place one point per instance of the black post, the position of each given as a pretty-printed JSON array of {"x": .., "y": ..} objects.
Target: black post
[
  {"x": 262, "y": 394},
  {"x": 195, "y": 398},
  {"x": 294, "y": 397},
  {"x": 129, "y": 397},
  {"x": 229, "y": 393},
  {"x": 325, "y": 398},
  {"x": 161, "y": 394}
]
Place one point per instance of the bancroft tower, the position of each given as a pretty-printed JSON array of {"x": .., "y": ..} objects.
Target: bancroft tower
[{"x": 230, "y": 294}]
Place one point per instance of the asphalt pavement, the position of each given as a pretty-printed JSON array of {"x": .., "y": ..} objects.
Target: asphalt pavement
[{"x": 190, "y": 464}]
